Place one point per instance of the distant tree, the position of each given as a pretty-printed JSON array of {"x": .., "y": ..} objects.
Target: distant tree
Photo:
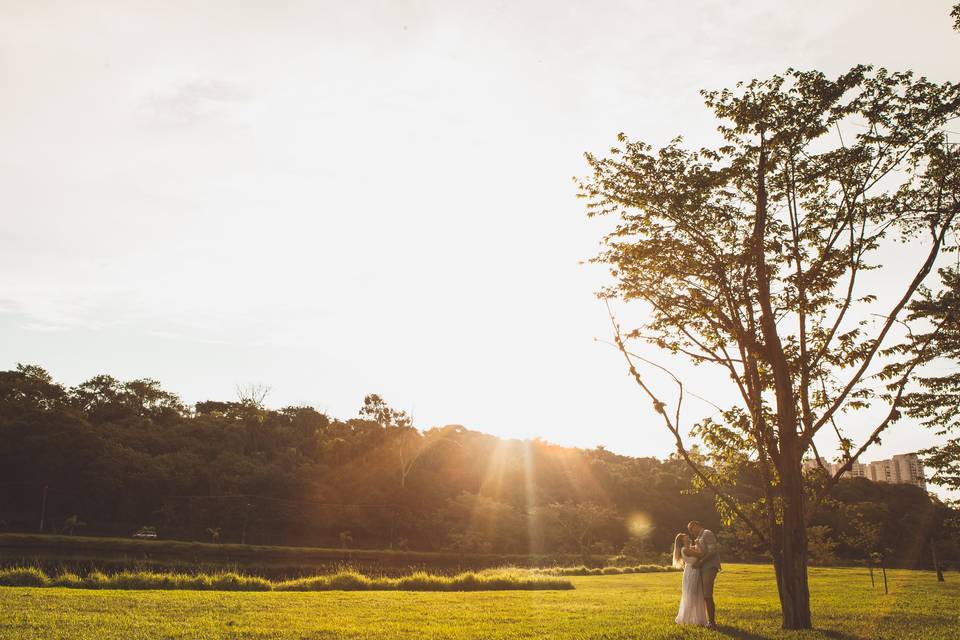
[
  {"x": 346, "y": 539},
  {"x": 748, "y": 258},
  {"x": 30, "y": 388},
  {"x": 252, "y": 394},
  {"x": 410, "y": 444},
  {"x": 150, "y": 400},
  {"x": 311, "y": 477},
  {"x": 421, "y": 445},
  {"x": 738, "y": 543},
  {"x": 397, "y": 424},
  {"x": 71, "y": 524},
  {"x": 641, "y": 532},
  {"x": 578, "y": 525},
  {"x": 821, "y": 544},
  {"x": 481, "y": 524},
  {"x": 377, "y": 410}
]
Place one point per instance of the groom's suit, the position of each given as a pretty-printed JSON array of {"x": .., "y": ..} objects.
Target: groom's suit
[{"x": 709, "y": 564}]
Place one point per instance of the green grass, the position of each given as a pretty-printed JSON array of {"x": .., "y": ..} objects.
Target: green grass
[
  {"x": 609, "y": 607},
  {"x": 489, "y": 580}
]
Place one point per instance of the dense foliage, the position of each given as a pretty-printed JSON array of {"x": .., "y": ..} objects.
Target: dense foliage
[
  {"x": 116, "y": 456},
  {"x": 937, "y": 402}
]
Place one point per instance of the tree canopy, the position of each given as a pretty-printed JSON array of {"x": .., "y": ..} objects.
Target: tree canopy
[
  {"x": 756, "y": 257},
  {"x": 224, "y": 471}
]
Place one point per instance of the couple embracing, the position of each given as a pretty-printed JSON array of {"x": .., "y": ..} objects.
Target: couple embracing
[{"x": 697, "y": 553}]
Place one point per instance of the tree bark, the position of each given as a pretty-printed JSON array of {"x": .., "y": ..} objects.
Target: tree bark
[{"x": 792, "y": 583}]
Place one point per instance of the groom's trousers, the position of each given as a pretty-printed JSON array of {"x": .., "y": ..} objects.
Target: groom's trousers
[{"x": 708, "y": 576}]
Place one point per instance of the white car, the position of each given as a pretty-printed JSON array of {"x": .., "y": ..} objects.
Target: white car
[{"x": 146, "y": 534}]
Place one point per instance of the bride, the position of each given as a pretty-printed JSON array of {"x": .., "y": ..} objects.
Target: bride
[{"x": 693, "y": 608}]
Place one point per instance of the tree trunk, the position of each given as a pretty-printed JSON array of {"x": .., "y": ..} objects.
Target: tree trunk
[
  {"x": 936, "y": 561},
  {"x": 792, "y": 584},
  {"x": 792, "y": 571}
]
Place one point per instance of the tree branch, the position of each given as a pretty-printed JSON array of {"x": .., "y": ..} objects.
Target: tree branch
[{"x": 660, "y": 408}]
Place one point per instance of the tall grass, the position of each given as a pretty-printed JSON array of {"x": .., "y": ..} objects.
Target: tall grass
[
  {"x": 422, "y": 581},
  {"x": 230, "y": 581}
]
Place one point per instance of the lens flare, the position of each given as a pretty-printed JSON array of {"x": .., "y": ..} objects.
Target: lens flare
[{"x": 640, "y": 525}]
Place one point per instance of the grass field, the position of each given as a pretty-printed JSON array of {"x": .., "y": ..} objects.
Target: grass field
[{"x": 612, "y": 606}]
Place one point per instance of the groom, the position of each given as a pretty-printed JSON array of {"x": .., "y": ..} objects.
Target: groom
[{"x": 708, "y": 564}]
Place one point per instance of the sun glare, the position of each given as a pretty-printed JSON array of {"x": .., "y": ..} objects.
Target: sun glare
[{"x": 640, "y": 525}]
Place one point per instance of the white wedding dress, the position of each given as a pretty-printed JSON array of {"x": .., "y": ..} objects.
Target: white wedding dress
[{"x": 693, "y": 609}]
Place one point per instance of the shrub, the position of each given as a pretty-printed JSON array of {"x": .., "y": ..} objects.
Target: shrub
[
  {"x": 96, "y": 580},
  {"x": 350, "y": 581},
  {"x": 316, "y": 583},
  {"x": 25, "y": 577},
  {"x": 344, "y": 580},
  {"x": 70, "y": 580},
  {"x": 237, "y": 582},
  {"x": 421, "y": 581}
]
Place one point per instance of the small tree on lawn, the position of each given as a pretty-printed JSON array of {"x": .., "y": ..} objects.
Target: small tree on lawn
[
  {"x": 863, "y": 537},
  {"x": 750, "y": 257}
]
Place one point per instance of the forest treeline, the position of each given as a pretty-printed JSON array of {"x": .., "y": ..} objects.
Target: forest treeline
[{"x": 107, "y": 457}]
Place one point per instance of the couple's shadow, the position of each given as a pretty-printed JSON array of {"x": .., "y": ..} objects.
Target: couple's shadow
[{"x": 743, "y": 634}]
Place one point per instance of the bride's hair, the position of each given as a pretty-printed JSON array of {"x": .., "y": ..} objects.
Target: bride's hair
[{"x": 678, "y": 543}]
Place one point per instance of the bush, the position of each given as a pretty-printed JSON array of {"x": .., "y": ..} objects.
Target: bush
[
  {"x": 350, "y": 581},
  {"x": 95, "y": 580},
  {"x": 421, "y": 581},
  {"x": 25, "y": 577},
  {"x": 507, "y": 579},
  {"x": 70, "y": 580},
  {"x": 237, "y": 582}
]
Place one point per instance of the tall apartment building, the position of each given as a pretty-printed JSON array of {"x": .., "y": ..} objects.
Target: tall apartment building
[{"x": 901, "y": 469}]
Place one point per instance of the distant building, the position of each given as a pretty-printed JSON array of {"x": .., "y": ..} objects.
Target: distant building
[{"x": 901, "y": 469}]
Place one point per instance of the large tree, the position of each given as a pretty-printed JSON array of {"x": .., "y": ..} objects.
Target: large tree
[{"x": 756, "y": 257}]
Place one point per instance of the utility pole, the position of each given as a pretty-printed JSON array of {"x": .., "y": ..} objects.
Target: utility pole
[
  {"x": 243, "y": 533},
  {"x": 936, "y": 561},
  {"x": 43, "y": 506}
]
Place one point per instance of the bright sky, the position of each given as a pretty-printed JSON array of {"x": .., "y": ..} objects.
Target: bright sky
[{"x": 334, "y": 199}]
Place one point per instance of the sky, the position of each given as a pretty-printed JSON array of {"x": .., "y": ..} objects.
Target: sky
[{"x": 335, "y": 199}]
